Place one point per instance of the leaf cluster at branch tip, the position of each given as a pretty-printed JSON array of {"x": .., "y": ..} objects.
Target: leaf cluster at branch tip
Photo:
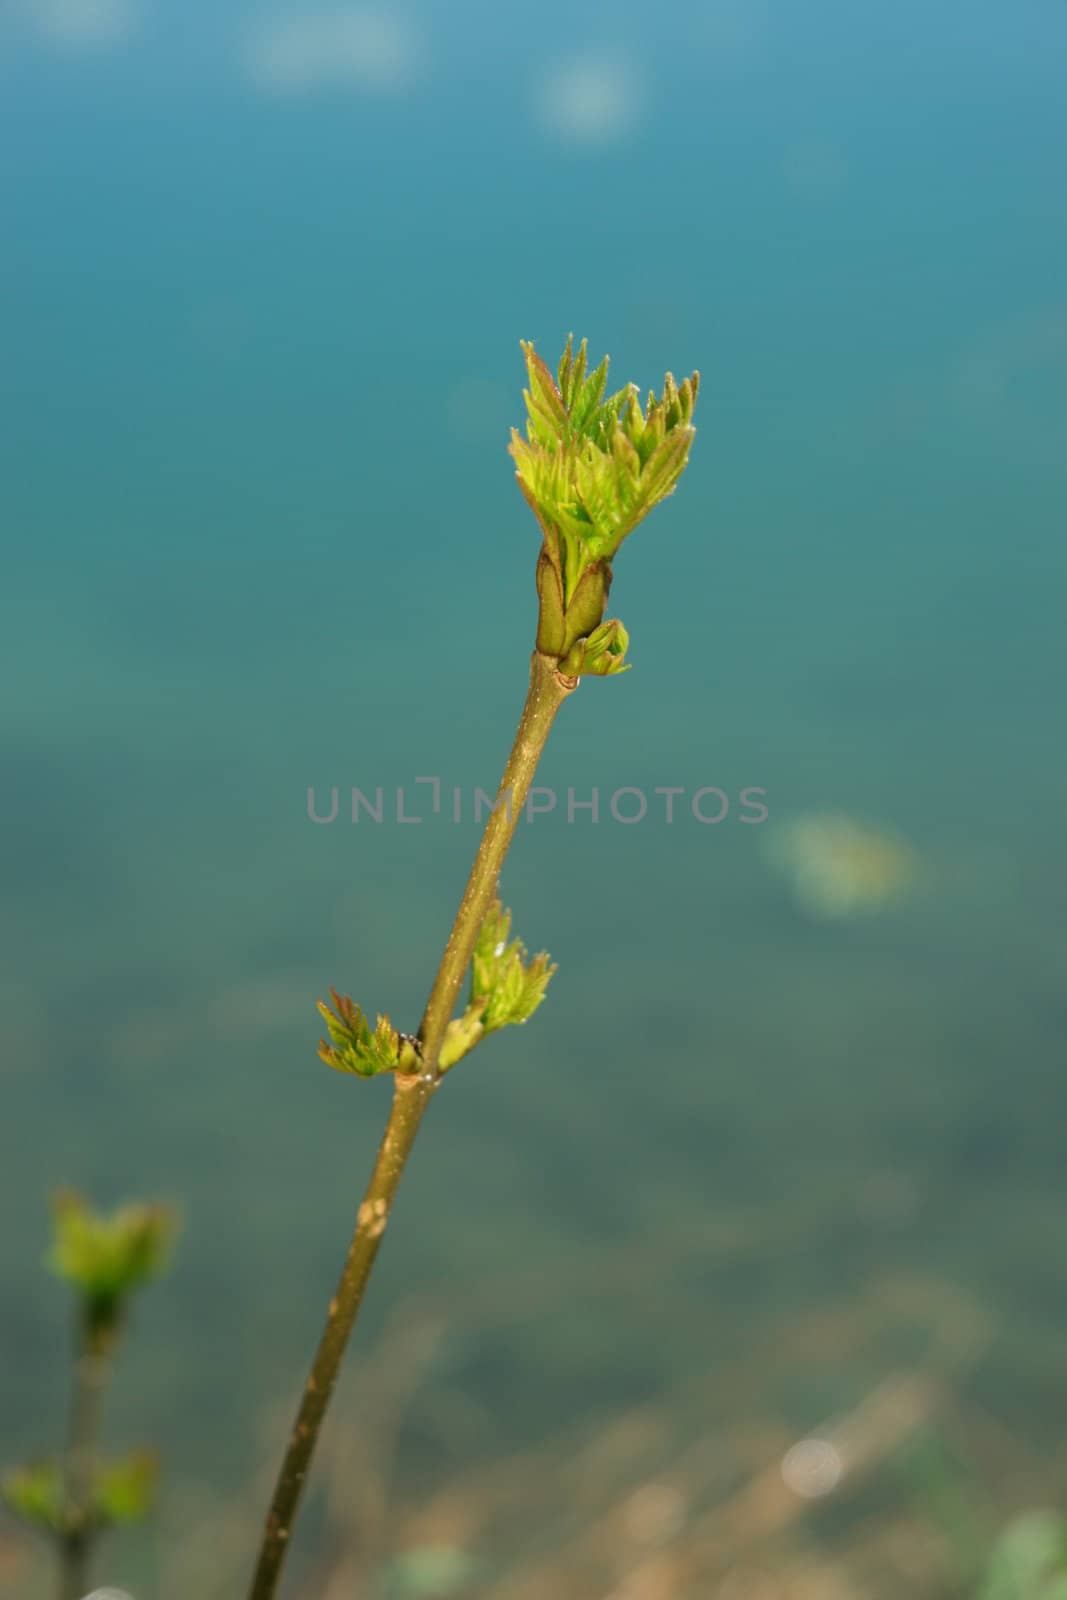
[{"x": 592, "y": 467}]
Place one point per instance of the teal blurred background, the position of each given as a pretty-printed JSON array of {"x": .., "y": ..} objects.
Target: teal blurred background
[{"x": 263, "y": 278}]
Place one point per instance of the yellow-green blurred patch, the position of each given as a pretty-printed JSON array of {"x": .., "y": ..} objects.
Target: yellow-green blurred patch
[{"x": 839, "y": 867}]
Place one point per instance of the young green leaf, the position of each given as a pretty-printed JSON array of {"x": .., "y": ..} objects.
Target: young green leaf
[
  {"x": 359, "y": 1048},
  {"x": 506, "y": 986}
]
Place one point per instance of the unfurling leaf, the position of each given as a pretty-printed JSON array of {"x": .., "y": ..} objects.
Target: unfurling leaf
[
  {"x": 504, "y": 984},
  {"x": 506, "y": 987},
  {"x": 359, "y": 1048}
]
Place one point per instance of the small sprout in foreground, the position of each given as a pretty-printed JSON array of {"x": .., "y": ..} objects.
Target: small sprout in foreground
[
  {"x": 592, "y": 468},
  {"x": 358, "y": 1048},
  {"x": 108, "y": 1256}
]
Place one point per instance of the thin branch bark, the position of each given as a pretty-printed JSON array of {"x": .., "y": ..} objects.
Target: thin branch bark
[{"x": 412, "y": 1094}]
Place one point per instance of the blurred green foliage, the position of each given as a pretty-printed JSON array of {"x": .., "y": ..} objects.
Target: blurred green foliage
[
  {"x": 107, "y": 1256},
  {"x": 123, "y": 1492},
  {"x": 1030, "y": 1560}
]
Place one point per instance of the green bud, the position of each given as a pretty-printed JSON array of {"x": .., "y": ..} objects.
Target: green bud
[
  {"x": 601, "y": 654},
  {"x": 359, "y": 1048},
  {"x": 551, "y": 625},
  {"x": 107, "y": 1257},
  {"x": 587, "y": 605},
  {"x": 461, "y": 1036},
  {"x": 591, "y": 469}
]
